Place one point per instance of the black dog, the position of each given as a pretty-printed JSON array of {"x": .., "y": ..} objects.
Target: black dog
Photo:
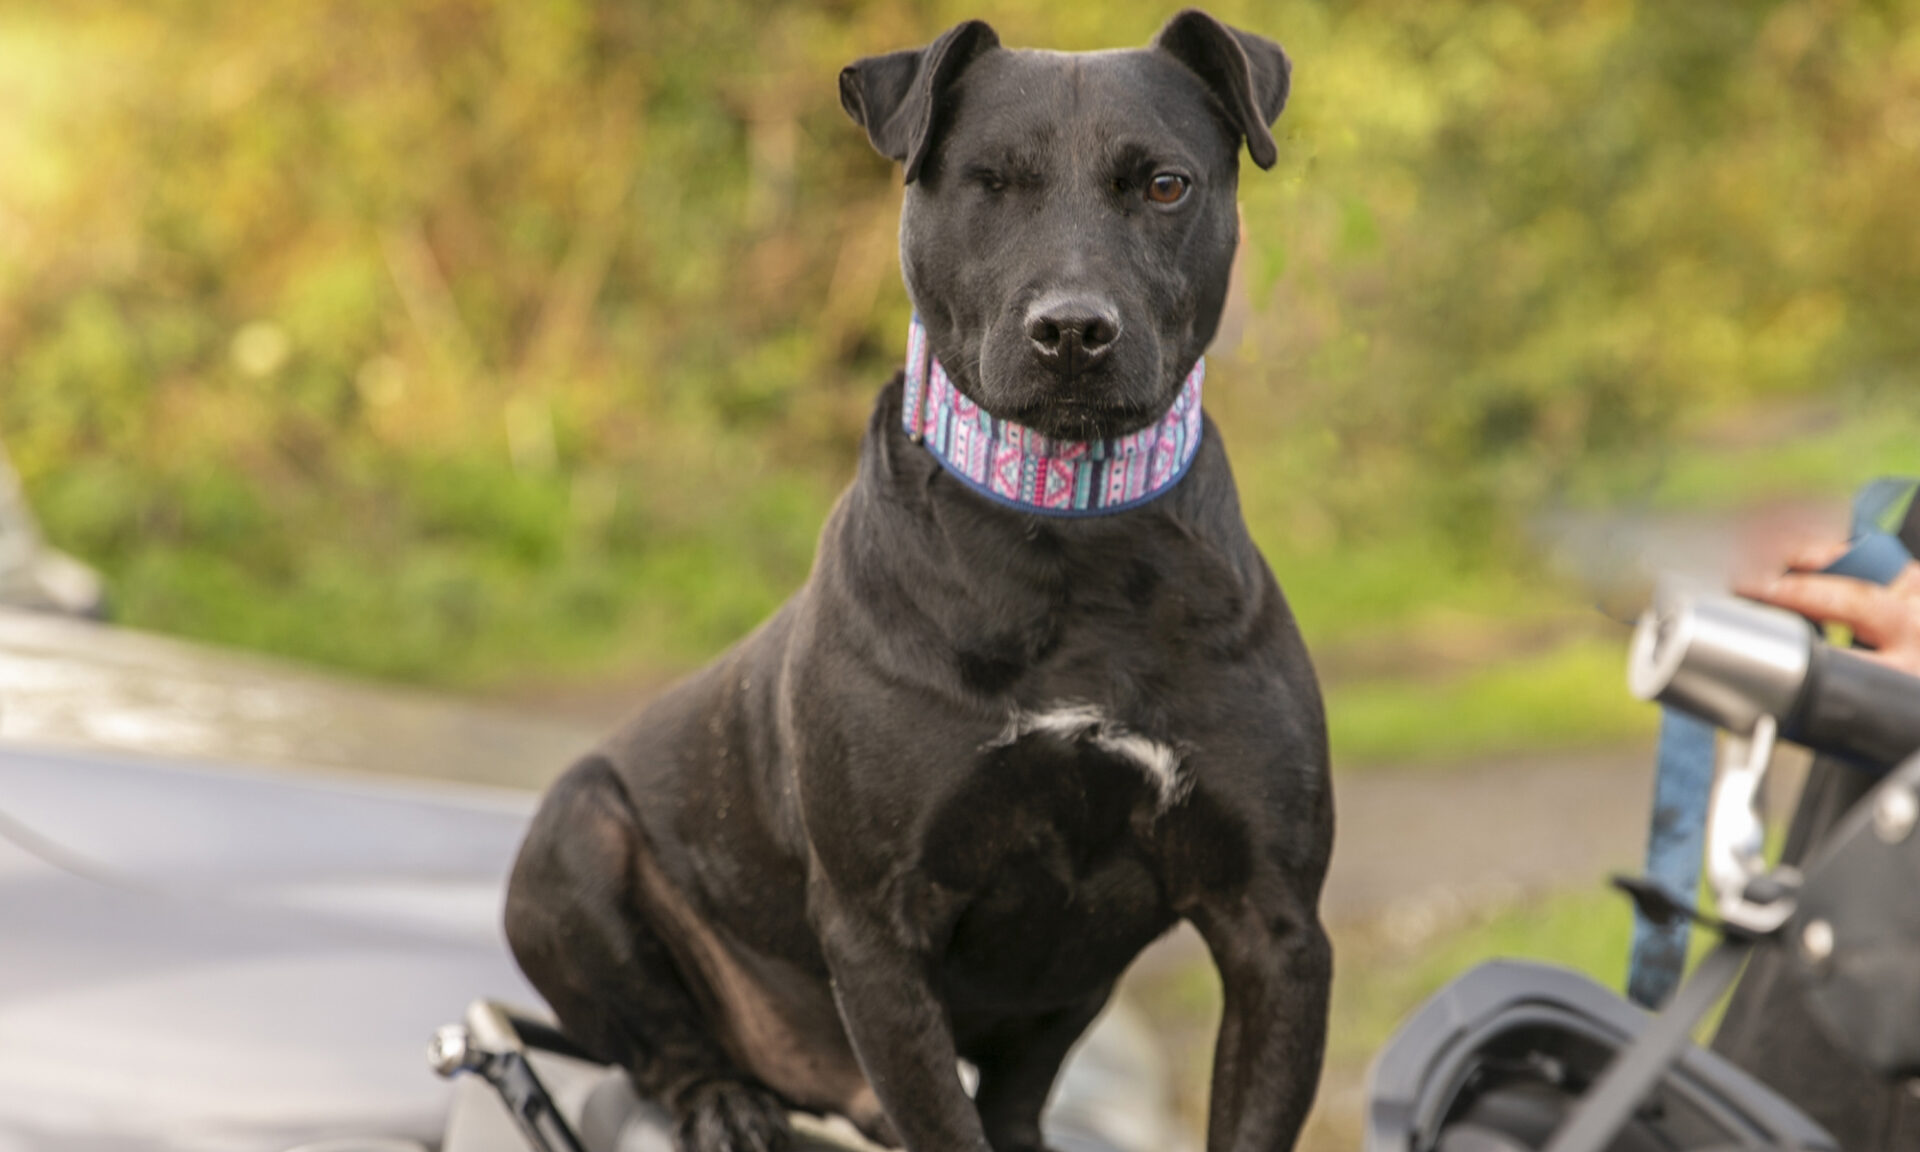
[{"x": 934, "y": 806}]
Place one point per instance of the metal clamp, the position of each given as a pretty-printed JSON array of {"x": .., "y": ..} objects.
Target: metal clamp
[
  {"x": 490, "y": 1045},
  {"x": 1750, "y": 895}
]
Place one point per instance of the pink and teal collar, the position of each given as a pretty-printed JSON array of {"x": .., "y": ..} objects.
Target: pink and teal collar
[{"x": 1016, "y": 466}]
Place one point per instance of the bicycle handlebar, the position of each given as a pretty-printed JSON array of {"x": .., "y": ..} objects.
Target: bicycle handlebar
[{"x": 1731, "y": 661}]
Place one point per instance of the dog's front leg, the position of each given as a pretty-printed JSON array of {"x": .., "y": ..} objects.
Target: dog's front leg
[
  {"x": 1275, "y": 970},
  {"x": 1018, "y": 1065},
  {"x": 900, "y": 1033}
]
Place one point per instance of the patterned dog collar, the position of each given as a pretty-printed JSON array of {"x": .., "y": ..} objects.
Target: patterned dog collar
[{"x": 1016, "y": 466}]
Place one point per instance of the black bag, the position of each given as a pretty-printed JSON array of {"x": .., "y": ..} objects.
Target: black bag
[{"x": 1769, "y": 1029}]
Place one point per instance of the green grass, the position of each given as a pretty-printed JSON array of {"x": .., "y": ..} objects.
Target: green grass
[
  {"x": 1573, "y": 695},
  {"x": 1815, "y": 448},
  {"x": 1872, "y": 439},
  {"x": 1379, "y": 980},
  {"x": 458, "y": 572},
  {"x": 1570, "y": 694},
  {"x": 1364, "y": 589}
]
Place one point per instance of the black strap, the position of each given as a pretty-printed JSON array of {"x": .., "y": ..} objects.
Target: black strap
[{"x": 1624, "y": 1086}]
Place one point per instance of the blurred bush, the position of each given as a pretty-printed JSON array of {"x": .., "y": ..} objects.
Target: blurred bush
[{"x": 468, "y": 340}]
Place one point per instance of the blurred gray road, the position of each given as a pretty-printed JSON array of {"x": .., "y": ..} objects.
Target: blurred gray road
[{"x": 1406, "y": 835}]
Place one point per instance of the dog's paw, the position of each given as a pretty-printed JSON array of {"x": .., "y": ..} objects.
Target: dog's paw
[
  {"x": 728, "y": 1116},
  {"x": 1025, "y": 1138}
]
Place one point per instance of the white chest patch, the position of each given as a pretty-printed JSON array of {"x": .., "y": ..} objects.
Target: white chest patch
[{"x": 1159, "y": 762}]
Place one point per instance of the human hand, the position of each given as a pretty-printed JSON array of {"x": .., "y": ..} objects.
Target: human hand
[{"x": 1888, "y": 618}]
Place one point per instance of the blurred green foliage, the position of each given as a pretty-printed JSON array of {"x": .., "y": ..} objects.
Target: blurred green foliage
[{"x": 467, "y": 341}]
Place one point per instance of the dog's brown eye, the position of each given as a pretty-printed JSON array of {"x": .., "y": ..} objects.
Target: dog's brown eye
[{"x": 1167, "y": 188}]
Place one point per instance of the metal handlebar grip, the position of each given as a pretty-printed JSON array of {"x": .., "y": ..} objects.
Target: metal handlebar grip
[
  {"x": 1725, "y": 660},
  {"x": 1731, "y": 661}
]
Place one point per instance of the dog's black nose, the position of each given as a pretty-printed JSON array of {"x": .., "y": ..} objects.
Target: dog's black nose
[{"x": 1071, "y": 333}]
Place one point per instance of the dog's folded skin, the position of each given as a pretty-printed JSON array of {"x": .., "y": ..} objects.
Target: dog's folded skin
[{"x": 935, "y": 806}]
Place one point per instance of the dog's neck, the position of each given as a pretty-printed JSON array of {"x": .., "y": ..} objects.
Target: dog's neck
[{"x": 1012, "y": 464}]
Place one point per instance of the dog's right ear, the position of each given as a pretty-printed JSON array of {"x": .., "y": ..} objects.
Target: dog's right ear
[{"x": 896, "y": 97}]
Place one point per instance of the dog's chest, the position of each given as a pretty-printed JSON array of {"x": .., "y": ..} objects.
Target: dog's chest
[{"x": 1045, "y": 853}]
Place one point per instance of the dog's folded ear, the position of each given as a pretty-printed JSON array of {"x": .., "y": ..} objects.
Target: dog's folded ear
[
  {"x": 896, "y": 97},
  {"x": 1249, "y": 75}
]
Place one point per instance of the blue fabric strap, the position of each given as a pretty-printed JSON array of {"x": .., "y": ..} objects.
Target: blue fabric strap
[
  {"x": 1879, "y": 506},
  {"x": 1877, "y": 555},
  {"x": 1676, "y": 843}
]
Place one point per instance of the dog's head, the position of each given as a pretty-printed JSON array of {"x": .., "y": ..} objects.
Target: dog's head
[{"x": 1070, "y": 218}]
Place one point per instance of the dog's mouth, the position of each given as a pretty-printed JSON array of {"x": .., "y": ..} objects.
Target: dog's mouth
[{"x": 1082, "y": 417}]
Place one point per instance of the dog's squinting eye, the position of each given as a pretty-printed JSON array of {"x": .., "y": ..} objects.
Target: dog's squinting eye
[{"x": 1168, "y": 188}]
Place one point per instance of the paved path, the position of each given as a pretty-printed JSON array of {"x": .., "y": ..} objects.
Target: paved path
[{"x": 1407, "y": 836}]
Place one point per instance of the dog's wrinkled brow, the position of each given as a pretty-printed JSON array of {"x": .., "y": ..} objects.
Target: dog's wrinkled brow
[
  {"x": 1134, "y": 155},
  {"x": 1022, "y": 160}
]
